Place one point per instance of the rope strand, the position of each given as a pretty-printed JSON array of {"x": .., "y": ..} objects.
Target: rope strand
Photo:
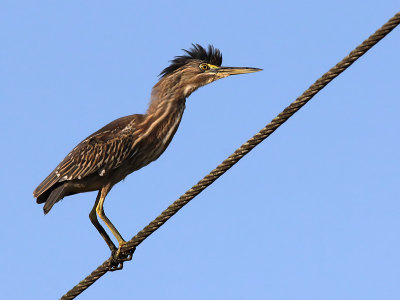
[{"x": 239, "y": 153}]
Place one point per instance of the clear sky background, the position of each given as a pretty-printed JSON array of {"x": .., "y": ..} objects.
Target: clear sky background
[{"x": 311, "y": 213}]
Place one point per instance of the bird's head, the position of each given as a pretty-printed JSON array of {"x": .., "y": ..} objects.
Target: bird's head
[{"x": 198, "y": 67}]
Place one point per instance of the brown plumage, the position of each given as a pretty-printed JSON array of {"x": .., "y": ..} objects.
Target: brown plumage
[{"x": 130, "y": 143}]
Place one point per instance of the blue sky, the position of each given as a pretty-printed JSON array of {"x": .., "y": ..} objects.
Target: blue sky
[{"x": 311, "y": 213}]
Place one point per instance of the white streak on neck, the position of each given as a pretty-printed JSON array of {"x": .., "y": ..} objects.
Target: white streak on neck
[
  {"x": 173, "y": 128},
  {"x": 188, "y": 90}
]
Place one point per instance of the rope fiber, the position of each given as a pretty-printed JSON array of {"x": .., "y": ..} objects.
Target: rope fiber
[{"x": 238, "y": 154}]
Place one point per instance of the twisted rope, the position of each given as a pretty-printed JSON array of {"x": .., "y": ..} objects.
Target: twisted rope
[{"x": 239, "y": 153}]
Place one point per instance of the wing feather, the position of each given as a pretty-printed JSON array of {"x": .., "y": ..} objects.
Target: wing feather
[{"x": 101, "y": 152}]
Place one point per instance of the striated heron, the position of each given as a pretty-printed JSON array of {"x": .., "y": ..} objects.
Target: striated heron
[{"x": 132, "y": 142}]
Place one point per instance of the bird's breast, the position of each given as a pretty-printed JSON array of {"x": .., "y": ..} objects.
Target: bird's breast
[
  {"x": 153, "y": 141},
  {"x": 164, "y": 135}
]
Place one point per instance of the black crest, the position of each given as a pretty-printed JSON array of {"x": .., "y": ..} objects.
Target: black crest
[{"x": 212, "y": 56}]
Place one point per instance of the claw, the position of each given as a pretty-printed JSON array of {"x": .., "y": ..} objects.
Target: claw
[
  {"x": 118, "y": 258},
  {"x": 115, "y": 266},
  {"x": 126, "y": 255}
]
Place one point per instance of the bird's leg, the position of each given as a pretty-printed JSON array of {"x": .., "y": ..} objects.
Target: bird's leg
[
  {"x": 118, "y": 256},
  {"x": 100, "y": 211},
  {"x": 100, "y": 229}
]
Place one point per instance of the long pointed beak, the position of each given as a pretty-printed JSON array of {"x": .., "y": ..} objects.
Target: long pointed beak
[{"x": 227, "y": 71}]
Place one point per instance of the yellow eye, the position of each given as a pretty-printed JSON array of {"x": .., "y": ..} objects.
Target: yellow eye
[{"x": 204, "y": 67}]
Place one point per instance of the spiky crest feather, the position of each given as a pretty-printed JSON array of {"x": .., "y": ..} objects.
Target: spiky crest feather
[{"x": 212, "y": 56}]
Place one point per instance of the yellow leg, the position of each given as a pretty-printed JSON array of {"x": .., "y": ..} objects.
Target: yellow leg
[
  {"x": 118, "y": 256},
  {"x": 100, "y": 229},
  {"x": 100, "y": 211}
]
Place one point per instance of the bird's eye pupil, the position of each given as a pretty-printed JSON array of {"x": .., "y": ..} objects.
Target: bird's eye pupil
[{"x": 204, "y": 67}]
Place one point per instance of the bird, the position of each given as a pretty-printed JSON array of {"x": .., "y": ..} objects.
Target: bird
[{"x": 130, "y": 143}]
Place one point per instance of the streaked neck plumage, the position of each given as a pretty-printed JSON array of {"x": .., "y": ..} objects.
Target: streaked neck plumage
[
  {"x": 165, "y": 110},
  {"x": 169, "y": 95}
]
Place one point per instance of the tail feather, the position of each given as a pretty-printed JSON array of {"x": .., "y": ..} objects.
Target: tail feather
[
  {"x": 43, "y": 197},
  {"x": 56, "y": 195},
  {"x": 46, "y": 184}
]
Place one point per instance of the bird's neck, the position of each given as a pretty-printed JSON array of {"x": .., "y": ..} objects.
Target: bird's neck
[
  {"x": 168, "y": 92},
  {"x": 164, "y": 113},
  {"x": 167, "y": 99}
]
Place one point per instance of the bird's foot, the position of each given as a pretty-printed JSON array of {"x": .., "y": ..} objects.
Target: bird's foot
[{"x": 118, "y": 257}]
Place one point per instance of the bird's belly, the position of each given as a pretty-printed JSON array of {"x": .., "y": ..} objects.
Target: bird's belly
[
  {"x": 148, "y": 155},
  {"x": 141, "y": 159}
]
